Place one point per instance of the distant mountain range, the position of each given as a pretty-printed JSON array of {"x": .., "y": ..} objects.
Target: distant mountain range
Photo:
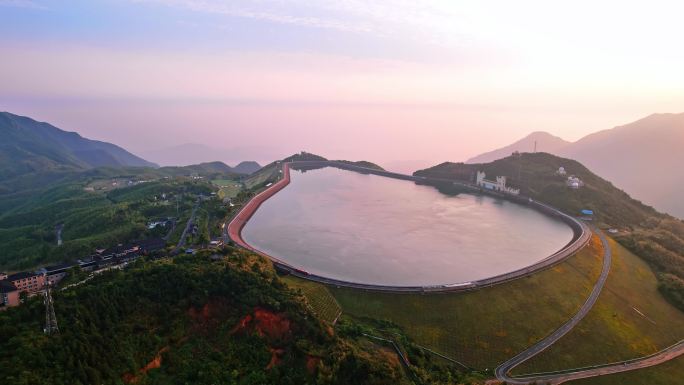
[
  {"x": 194, "y": 153},
  {"x": 29, "y": 146},
  {"x": 643, "y": 157}
]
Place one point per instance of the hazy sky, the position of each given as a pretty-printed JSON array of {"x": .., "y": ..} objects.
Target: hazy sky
[{"x": 381, "y": 80}]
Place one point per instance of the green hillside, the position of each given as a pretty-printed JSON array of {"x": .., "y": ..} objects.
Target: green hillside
[
  {"x": 28, "y": 146},
  {"x": 658, "y": 238},
  {"x": 98, "y": 207},
  {"x": 362, "y": 163},
  {"x": 192, "y": 321}
]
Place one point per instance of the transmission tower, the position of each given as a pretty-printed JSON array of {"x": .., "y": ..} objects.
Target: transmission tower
[{"x": 50, "y": 318}]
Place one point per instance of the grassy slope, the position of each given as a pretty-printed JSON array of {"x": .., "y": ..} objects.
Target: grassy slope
[
  {"x": 318, "y": 297},
  {"x": 613, "y": 330},
  {"x": 268, "y": 173},
  {"x": 491, "y": 335},
  {"x": 228, "y": 188},
  {"x": 485, "y": 327}
]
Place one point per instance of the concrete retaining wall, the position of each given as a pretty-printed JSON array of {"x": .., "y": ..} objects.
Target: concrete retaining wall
[{"x": 581, "y": 233}]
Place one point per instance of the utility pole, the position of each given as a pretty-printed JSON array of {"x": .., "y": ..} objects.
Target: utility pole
[{"x": 50, "y": 318}]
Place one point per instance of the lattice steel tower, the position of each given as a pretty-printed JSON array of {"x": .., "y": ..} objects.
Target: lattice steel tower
[{"x": 50, "y": 318}]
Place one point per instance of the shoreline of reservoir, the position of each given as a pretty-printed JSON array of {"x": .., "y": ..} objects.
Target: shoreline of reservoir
[{"x": 581, "y": 234}]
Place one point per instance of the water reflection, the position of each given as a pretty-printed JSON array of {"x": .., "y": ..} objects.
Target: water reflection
[{"x": 371, "y": 229}]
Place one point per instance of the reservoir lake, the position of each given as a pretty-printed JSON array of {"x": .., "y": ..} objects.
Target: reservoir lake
[{"x": 376, "y": 230}]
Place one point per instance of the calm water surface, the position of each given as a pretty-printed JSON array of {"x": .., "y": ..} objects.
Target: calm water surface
[{"x": 376, "y": 230}]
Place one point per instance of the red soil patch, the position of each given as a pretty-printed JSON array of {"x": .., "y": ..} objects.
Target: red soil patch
[
  {"x": 275, "y": 357},
  {"x": 201, "y": 315},
  {"x": 266, "y": 324},
  {"x": 156, "y": 362},
  {"x": 312, "y": 364},
  {"x": 242, "y": 324},
  {"x": 209, "y": 315},
  {"x": 273, "y": 326}
]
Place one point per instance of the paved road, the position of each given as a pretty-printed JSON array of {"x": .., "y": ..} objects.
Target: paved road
[
  {"x": 664, "y": 355},
  {"x": 59, "y": 229},
  {"x": 559, "y": 377},
  {"x": 191, "y": 220},
  {"x": 503, "y": 369},
  {"x": 660, "y": 357}
]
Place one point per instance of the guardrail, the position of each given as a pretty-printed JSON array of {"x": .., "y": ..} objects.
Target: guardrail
[
  {"x": 581, "y": 233},
  {"x": 532, "y": 376}
]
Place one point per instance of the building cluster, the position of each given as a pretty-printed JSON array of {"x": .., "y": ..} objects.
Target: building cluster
[
  {"x": 13, "y": 285},
  {"x": 572, "y": 182},
  {"x": 498, "y": 185}
]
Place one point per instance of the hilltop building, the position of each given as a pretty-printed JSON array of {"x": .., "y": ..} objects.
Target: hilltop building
[
  {"x": 498, "y": 185},
  {"x": 561, "y": 171},
  {"x": 574, "y": 182}
]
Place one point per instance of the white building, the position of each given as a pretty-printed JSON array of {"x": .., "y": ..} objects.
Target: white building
[
  {"x": 574, "y": 182},
  {"x": 498, "y": 185},
  {"x": 561, "y": 171}
]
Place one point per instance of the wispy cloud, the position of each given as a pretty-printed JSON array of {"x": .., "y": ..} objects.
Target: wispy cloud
[
  {"x": 432, "y": 23},
  {"x": 21, "y": 4},
  {"x": 264, "y": 11}
]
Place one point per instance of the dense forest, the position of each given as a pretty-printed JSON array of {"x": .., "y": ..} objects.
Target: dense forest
[
  {"x": 196, "y": 320},
  {"x": 657, "y": 238}
]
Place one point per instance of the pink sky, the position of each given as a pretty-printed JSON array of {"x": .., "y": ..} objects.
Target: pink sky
[{"x": 386, "y": 82}]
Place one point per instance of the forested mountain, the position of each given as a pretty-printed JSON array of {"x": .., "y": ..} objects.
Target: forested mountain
[
  {"x": 28, "y": 146},
  {"x": 247, "y": 167},
  {"x": 643, "y": 157},
  {"x": 654, "y": 236},
  {"x": 542, "y": 141},
  {"x": 189, "y": 320}
]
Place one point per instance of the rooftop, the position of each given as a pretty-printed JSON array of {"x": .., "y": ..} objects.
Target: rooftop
[
  {"x": 61, "y": 266},
  {"x": 7, "y": 287},
  {"x": 21, "y": 275}
]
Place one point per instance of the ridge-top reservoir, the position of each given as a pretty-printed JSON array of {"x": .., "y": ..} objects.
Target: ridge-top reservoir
[{"x": 375, "y": 230}]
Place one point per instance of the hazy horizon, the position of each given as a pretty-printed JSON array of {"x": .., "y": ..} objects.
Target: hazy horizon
[{"x": 388, "y": 82}]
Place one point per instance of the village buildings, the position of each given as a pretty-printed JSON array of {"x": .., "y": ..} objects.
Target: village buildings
[{"x": 31, "y": 283}]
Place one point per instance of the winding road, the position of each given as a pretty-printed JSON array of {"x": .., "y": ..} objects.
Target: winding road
[
  {"x": 503, "y": 369},
  {"x": 502, "y": 372}
]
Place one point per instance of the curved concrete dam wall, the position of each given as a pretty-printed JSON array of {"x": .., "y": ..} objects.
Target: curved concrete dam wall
[{"x": 581, "y": 234}]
